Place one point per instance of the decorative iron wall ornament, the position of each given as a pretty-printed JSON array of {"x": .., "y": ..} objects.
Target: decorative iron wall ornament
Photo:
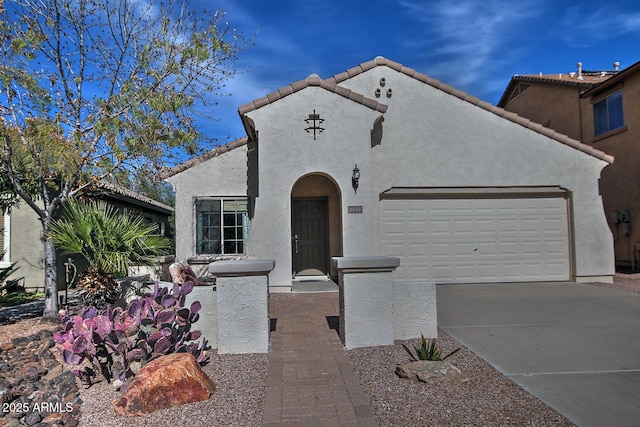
[{"x": 314, "y": 121}]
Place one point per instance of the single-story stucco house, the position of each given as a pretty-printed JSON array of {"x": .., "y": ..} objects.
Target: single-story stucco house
[{"x": 384, "y": 160}]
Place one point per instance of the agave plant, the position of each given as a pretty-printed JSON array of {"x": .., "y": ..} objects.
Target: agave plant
[
  {"x": 428, "y": 350},
  {"x": 110, "y": 240}
]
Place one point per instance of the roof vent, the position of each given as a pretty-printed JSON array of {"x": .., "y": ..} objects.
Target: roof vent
[
  {"x": 580, "y": 71},
  {"x": 616, "y": 66}
]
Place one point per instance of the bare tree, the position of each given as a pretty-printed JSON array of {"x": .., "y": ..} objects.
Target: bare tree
[{"x": 90, "y": 88}]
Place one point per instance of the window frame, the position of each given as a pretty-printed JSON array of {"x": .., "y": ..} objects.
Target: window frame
[
  {"x": 5, "y": 252},
  {"x": 599, "y": 128},
  {"x": 223, "y": 241}
]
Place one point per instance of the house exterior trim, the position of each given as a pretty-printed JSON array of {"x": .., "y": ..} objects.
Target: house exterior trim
[{"x": 473, "y": 192}]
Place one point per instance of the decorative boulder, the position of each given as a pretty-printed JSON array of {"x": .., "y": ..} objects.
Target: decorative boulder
[
  {"x": 167, "y": 381},
  {"x": 432, "y": 372}
]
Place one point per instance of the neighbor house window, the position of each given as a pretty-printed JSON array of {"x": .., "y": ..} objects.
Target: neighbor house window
[
  {"x": 607, "y": 113},
  {"x": 221, "y": 225}
]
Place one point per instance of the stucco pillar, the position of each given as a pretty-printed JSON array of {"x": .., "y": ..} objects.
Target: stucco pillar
[
  {"x": 366, "y": 300},
  {"x": 206, "y": 295},
  {"x": 242, "y": 305},
  {"x": 208, "y": 317}
]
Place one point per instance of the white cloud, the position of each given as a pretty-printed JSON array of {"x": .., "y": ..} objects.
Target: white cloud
[
  {"x": 580, "y": 26},
  {"x": 465, "y": 43}
]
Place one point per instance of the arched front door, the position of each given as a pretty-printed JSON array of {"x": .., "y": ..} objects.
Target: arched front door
[
  {"x": 316, "y": 225},
  {"x": 310, "y": 236}
]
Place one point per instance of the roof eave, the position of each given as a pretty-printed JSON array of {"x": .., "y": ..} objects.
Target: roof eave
[{"x": 204, "y": 157}]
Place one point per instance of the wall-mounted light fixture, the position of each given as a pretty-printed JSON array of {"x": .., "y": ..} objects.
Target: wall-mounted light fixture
[{"x": 355, "y": 178}]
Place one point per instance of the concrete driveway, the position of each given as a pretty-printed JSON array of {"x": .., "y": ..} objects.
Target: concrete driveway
[{"x": 576, "y": 347}]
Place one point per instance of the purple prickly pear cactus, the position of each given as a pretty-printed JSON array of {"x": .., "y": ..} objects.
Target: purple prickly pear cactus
[{"x": 155, "y": 324}]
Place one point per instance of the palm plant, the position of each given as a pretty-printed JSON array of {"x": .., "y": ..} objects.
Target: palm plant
[{"x": 110, "y": 241}]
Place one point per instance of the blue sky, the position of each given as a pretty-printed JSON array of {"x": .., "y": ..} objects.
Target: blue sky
[{"x": 473, "y": 45}]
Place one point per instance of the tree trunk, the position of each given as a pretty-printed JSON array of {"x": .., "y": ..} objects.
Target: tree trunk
[{"x": 50, "y": 281}]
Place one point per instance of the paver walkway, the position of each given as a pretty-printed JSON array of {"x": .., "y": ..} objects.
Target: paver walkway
[{"x": 310, "y": 381}]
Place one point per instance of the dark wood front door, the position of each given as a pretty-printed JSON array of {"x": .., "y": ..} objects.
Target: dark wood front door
[{"x": 309, "y": 240}]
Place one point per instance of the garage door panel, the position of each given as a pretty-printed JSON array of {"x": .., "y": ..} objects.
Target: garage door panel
[
  {"x": 508, "y": 249},
  {"x": 478, "y": 240},
  {"x": 440, "y": 227},
  {"x": 556, "y": 248},
  {"x": 463, "y": 227},
  {"x": 394, "y": 249},
  {"x": 487, "y": 247},
  {"x": 486, "y": 226}
]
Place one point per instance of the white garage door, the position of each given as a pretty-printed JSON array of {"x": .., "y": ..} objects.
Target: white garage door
[{"x": 478, "y": 240}]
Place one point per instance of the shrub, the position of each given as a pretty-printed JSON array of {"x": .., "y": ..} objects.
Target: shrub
[
  {"x": 110, "y": 241},
  {"x": 119, "y": 342},
  {"x": 19, "y": 297},
  {"x": 428, "y": 350}
]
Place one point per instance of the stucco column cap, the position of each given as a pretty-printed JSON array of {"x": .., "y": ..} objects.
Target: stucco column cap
[
  {"x": 248, "y": 267},
  {"x": 366, "y": 263}
]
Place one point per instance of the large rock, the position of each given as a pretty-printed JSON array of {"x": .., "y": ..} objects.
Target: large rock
[
  {"x": 431, "y": 372},
  {"x": 165, "y": 382}
]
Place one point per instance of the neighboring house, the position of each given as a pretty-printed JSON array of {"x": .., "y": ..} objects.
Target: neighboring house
[
  {"x": 23, "y": 240},
  {"x": 384, "y": 160},
  {"x": 602, "y": 110}
]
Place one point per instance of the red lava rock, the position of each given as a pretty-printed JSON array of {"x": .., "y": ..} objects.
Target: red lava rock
[
  {"x": 54, "y": 418},
  {"x": 167, "y": 381},
  {"x": 7, "y": 346}
]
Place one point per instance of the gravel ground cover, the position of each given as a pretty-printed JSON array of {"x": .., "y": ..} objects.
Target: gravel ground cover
[
  {"x": 487, "y": 399},
  {"x": 238, "y": 400}
]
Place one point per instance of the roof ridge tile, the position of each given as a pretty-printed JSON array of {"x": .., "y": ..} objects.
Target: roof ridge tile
[{"x": 314, "y": 80}]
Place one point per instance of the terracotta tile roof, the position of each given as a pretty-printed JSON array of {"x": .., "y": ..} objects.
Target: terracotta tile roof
[
  {"x": 333, "y": 84},
  {"x": 206, "y": 156},
  {"x": 312, "y": 80},
  {"x": 380, "y": 61},
  {"x": 588, "y": 77},
  {"x": 110, "y": 187},
  {"x": 586, "y": 83},
  {"x": 622, "y": 75}
]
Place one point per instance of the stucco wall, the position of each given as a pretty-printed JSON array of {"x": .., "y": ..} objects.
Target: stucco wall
[
  {"x": 27, "y": 247},
  {"x": 433, "y": 139},
  {"x": 551, "y": 105},
  {"x": 620, "y": 183},
  {"x": 225, "y": 175},
  {"x": 287, "y": 153}
]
